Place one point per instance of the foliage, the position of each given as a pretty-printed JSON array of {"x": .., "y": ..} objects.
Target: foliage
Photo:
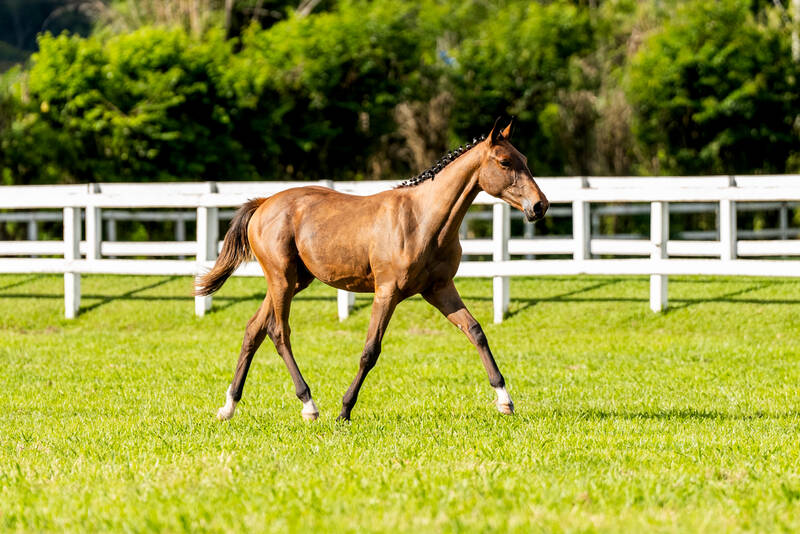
[
  {"x": 309, "y": 98},
  {"x": 627, "y": 421},
  {"x": 516, "y": 62},
  {"x": 321, "y": 91},
  {"x": 136, "y": 106},
  {"x": 378, "y": 89},
  {"x": 716, "y": 92}
]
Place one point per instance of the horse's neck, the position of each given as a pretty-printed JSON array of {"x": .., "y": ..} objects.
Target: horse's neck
[{"x": 446, "y": 199}]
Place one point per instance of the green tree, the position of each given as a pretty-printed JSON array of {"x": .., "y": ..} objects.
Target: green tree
[
  {"x": 715, "y": 91},
  {"x": 144, "y": 105},
  {"x": 320, "y": 91},
  {"x": 517, "y": 61}
]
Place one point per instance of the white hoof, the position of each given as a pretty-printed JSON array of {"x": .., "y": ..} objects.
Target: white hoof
[
  {"x": 504, "y": 403},
  {"x": 506, "y": 409},
  {"x": 226, "y": 412},
  {"x": 310, "y": 411}
]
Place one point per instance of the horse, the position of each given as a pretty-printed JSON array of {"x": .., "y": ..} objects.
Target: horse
[{"x": 395, "y": 244}]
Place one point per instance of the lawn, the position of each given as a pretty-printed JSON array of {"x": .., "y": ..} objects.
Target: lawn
[{"x": 626, "y": 420}]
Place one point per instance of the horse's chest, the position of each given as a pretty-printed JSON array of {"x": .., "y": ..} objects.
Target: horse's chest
[{"x": 438, "y": 265}]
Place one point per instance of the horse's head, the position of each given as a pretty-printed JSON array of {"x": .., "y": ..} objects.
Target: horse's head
[{"x": 504, "y": 174}]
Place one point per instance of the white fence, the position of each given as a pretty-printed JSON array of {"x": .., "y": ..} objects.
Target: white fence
[
  {"x": 665, "y": 257},
  {"x": 180, "y": 219}
]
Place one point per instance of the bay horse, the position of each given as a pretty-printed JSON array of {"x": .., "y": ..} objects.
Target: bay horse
[{"x": 396, "y": 243}]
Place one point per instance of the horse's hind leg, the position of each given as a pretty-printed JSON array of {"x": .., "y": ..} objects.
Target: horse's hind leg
[
  {"x": 254, "y": 334},
  {"x": 258, "y": 327},
  {"x": 282, "y": 289}
]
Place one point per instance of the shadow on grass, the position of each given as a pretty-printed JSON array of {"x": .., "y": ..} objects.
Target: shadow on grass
[
  {"x": 527, "y": 303},
  {"x": 675, "y": 415},
  {"x": 227, "y": 302},
  {"x": 674, "y": 303},
  {"x": 131, "y": 295},
  {"x": 730, "y": 297},
  {"x": 220, "y": 302},
  {"x": 678, "y": 279},
  {"x": 679, "y": 414},
  {"x": 20, "y": 282},
  {"x": 364, "y": 301}
]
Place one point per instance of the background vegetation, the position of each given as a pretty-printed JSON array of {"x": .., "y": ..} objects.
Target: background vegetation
[{"x": 351, "y": 89}]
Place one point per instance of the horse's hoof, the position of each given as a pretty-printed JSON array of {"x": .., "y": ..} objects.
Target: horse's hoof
[
  {"x": 310, "y": 411},
  {"x": 506, "y": 409},
  {"x": 343, "y": 419},
  {"x": 224, "y": 414}
]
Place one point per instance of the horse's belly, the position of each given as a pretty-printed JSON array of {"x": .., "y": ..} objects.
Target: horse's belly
[
  {"x": 343, "y": 268},
  {"x": 360, "y": 284}
]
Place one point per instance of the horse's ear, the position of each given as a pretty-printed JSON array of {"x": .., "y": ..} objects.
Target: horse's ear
[
  {"x": 506, "y": 133},
  {"x": 498, "y": 132}
]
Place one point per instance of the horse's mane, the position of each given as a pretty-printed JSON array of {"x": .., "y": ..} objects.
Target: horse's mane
[{"x": 444, "y": 161}]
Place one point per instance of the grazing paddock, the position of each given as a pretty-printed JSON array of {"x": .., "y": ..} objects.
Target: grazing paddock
[{"x": 626, "y": 420}]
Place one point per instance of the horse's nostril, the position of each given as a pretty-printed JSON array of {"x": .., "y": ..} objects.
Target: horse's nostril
[{"x": 538, "y": 209}]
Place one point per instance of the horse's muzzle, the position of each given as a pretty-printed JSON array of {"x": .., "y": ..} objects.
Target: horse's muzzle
[{"x": 534, "y": 212}]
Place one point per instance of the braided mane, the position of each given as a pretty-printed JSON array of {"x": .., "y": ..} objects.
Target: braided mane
[{"x": 444, "y": 161}]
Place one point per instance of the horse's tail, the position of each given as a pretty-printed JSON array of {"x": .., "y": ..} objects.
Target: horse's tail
[{"x": 235, "y": 251}]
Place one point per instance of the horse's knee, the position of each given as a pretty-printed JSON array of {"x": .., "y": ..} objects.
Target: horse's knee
[
  {"x": 252, "y": 339},
  {"x": 476, "y": 333},
  {"x": 278, "y": 333},
  {"x": 370, "y": 355}
]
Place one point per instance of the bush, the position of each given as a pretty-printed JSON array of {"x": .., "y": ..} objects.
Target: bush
[
  {"x": 376, "y": 89},
  {"x": 320, "y": 91},
  {"x": 309, "y": 98},
  {"x": 147, "y": 105},
  {"x": 517, "y": 62},
  {"x": 715, "y": 91}
]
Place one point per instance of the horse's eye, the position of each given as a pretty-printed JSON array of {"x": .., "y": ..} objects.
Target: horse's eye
[{"x": 505, "y": 163}]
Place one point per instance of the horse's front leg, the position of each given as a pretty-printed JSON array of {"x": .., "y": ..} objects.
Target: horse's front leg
[
  {"x": 447, "y": 300},
  {"x": 382, "y": 308}
]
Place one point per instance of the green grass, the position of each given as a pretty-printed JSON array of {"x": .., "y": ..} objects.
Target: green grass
[{"x": 626, "y": 420}]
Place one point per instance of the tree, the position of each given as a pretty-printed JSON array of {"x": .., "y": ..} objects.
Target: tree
[
  {"x": 715, "y": 91},
  {"x": 516, "y": 62}
]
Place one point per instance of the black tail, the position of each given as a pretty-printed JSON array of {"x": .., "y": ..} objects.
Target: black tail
[{"x": 235, "y": 251}]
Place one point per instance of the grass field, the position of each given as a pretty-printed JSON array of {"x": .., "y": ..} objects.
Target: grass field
[{"x": 626, "y": 420}]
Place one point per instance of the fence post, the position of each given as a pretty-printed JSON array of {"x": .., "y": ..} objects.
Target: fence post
[
  {"x": 345, "y": 301},
  {"x": 581, "y": 227},
  {"x": 500, "y": 231},
  {"x": 72, "y": 251},
  {"x": 180, "y": 228},
  {"x": 783, "y": 221},
  {"x": 207, "y": 244},
  {"x": 94, "y": 227},
  {"x": 659, "y": 235},
  {"x": 528, "y": 232},
  {"x": 727, "y": 226},
  {"x": 581, "y": 230},
  {"x": 111, "y": 231},
  {"x": 180, "y": 232},
  {"x": 33, "y": 229}
]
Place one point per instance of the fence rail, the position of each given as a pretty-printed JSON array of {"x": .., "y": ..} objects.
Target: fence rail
[{"x": 89, "y": 206}]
